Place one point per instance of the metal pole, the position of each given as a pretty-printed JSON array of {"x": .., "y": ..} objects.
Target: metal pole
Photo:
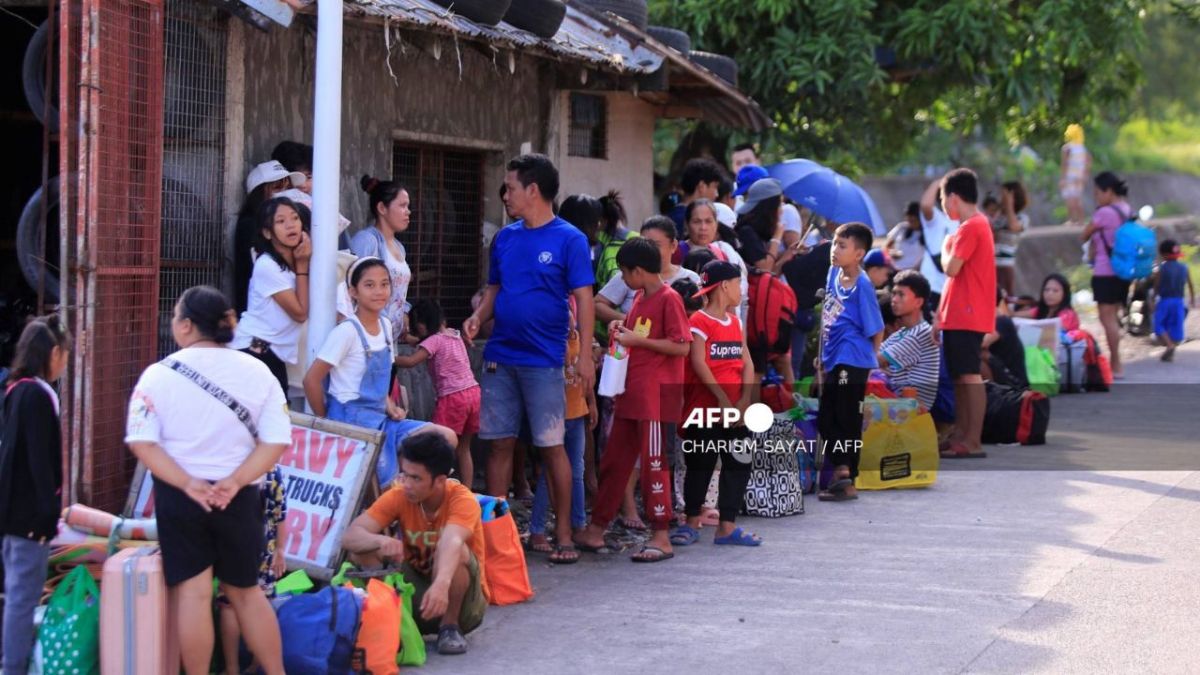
[{"x": 327, "y": 146}]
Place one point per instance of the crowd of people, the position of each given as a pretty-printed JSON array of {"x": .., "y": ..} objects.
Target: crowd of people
[{"x": 565, "y": 285}]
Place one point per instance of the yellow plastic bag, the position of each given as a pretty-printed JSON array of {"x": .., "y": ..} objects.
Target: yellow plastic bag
[{"x": 900, "y": 446}]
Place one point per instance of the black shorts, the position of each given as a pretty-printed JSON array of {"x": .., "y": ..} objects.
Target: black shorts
[
  {"x": 964, "y": 352},
  {"x": 1109, "y": 290},
  {"x": 230, "y": 541}
]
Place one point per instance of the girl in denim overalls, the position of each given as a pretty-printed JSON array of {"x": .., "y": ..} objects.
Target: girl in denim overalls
[{"x": 362, "y": 399}]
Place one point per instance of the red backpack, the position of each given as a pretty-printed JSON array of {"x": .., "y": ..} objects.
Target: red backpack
[{"x": 772, "y": 314}]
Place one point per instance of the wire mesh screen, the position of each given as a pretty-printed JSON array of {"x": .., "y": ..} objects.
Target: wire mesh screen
[
  {"x": 442, "y": 240},
  {"x": 589, "y": 126},
  {"x": 192, "y": 246},
  {"x": 121, "y": 209},
  {"x": 70, "y": 17}
]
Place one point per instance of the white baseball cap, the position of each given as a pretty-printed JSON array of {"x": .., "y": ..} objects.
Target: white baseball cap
[
  {"x": 725, "y": 215},
  {"x": 269, "y": 172}
]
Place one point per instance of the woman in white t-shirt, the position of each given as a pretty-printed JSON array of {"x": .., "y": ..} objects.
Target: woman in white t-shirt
[
  {"x": 208, "y": 422},
  {"x": 357, "y": 360},
  {"x": 614, "y": 300},
  {"x": 390, "y": 208},
  {"x": 905, "y": 243},
  {"x": 702, "y": 220},
  {"x": 277, "y": 304}
]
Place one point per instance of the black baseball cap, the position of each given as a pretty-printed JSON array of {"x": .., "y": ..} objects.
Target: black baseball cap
[{"x": 714, "y": 272}]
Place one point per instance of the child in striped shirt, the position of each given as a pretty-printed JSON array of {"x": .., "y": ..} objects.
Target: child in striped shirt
[{"x": 909, "y": 356}]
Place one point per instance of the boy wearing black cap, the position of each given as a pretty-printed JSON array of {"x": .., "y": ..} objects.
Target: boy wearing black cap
[{"x": 720, "y": 376}]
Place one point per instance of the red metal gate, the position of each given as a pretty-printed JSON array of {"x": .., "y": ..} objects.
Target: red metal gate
[{"x": 113, "y": 144}]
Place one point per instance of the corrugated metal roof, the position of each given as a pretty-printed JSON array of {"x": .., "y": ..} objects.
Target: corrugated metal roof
[{"x": 580, "y": 38}]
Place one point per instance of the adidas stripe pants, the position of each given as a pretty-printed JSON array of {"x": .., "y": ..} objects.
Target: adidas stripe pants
[{"x": 629, "y": 440}]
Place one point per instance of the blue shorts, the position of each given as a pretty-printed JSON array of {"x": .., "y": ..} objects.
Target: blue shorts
[
  {"x": 514, "y": 393},
  {"x": 1169, "y": 314}
]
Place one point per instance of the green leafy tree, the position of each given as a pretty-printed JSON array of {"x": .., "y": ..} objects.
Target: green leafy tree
[{"x": 854, "y": 82}]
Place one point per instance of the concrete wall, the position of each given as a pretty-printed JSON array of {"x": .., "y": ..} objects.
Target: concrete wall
[
  {"x": 629, "y": 167},
  {"x": 486, "y": 108}
]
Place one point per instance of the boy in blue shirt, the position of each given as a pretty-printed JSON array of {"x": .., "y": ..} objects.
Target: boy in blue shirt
[
  {"x": 851, "y": 332},
  {"x": 1169, "y": 311}
]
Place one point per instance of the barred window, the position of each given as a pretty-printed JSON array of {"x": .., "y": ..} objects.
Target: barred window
[
  {"x": 443, "y": 238},
  {"x": 589, "y": 126}
]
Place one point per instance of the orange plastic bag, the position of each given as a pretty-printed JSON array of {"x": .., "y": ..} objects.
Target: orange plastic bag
[
  {"x": 507, "y": 576},
  {"x": 379, "y": 635}
]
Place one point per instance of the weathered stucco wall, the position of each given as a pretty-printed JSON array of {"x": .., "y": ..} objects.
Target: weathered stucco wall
[
  {"x": 629, "y": 167},
  {"x": 484, "y": 108}
]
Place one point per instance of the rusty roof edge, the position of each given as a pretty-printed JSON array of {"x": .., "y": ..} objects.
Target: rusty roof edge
[
  {"x": 355, "y": 12},
  {"x": 760, "y": 120}
]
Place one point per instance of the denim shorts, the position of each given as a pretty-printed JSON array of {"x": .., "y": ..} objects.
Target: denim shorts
[{"x": 513, "y": 393}]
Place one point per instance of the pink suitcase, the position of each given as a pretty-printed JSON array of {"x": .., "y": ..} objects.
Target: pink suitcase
[{"x": 136, "y": 636}]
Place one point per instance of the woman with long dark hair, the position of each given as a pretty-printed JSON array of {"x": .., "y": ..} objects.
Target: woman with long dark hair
[
  {"x": 264, "y": 182},
  {"x": 391, "y": 208},
  {"x": 1109, "y": 290},
  {"x": 208, "y": 422},
  {"x": 277, "y": 303}
]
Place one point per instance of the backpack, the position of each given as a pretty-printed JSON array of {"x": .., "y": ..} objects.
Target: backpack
[
  {"x": 772, "y": 314},
  {"x": 1015, "y": 416},
  {"x": 1133, "y": 250},
  {"x": 321, "y": 630}
]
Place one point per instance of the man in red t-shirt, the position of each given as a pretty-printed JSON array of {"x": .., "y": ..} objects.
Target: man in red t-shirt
[
  {"x": 656, "y": 334},
  {"x": 968, "y": 309}
]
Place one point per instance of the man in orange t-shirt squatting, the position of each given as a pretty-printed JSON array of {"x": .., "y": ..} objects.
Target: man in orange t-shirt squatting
[{"x": 440, "y": 542}]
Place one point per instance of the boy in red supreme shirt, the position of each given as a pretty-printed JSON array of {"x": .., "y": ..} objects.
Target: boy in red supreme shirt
[
  {"x": 656, "y": 333},
  {"x": 721, "y": 376}
]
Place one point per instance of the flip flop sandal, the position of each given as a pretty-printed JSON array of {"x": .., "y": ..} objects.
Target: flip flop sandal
[
  {"x": 959, "y": 451},
  {"x": 827, "y": 496},
  {"x": 559, "y": 551},
  {"x": 684, "y": 535},
  {"x": 545, "y": 547},
  {"x": 839, "y": 485},
  {"x": 639, "y": 557},
  {"x": 738, "y": 537},
  {"x": 588, "y": 548}
]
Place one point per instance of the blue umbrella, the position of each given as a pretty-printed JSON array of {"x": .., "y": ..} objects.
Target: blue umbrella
[
  {"x": 837, "y": 198},
  {"x": 792, "y": 170}
]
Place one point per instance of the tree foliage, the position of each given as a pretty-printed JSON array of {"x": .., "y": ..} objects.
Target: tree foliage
[{"x": 854, "y": 81}]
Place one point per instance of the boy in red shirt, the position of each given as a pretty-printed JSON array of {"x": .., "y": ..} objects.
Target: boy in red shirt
[
  {"x": 968, "y": 309},
  {"x": 656, "y": 333},
  {"x": 721, "y": 376}
]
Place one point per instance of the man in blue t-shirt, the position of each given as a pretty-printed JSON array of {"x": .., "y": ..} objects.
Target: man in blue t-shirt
[{"x": 535, "y": 264}]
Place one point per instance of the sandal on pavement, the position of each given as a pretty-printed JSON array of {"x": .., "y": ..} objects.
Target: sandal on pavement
[
  {"x": 836, "y": 492},
  {"x": 738, "y": 537},
  {"x": 651, "y": 554},
  {"x": 960, "y": 451},
  {"x": 564, "y": 555},
  {"x": 588, "y": 548},
  {"x": 684, "y": 535},
  {"x": 451, "y": 641}
]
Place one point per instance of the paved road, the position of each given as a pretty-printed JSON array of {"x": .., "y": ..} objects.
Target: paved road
[{"x": 1079, "y": 556}]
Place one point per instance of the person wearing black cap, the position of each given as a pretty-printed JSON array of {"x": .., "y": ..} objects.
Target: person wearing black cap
[{"x": 720, "y": 376}]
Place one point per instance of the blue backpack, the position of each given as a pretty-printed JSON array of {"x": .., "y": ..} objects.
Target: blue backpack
[
  {"x": 319, "y": 631},
  {"x": 1133, "y": 250}
]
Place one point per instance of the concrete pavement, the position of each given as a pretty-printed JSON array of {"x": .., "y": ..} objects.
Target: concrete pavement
[{"x": 1078, "y": 556}]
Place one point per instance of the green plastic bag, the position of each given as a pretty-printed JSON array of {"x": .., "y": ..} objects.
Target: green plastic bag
[
  {"x": 1042, "y": 369},
  {"x": 70, "y": 633},
  {"x": 412, "y": 646},
  {"x": 294, "y": 583}
]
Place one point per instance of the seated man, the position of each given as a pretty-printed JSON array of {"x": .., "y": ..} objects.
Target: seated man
[
  {"x": 440, "y": 542},
  {"x": 909, "y": 356}
]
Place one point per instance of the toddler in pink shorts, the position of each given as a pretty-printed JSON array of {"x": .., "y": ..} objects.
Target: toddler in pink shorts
[{"x": 457, "y": 406}]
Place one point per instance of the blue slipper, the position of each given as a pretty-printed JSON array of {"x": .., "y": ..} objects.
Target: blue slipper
[
  {"x": 684, "y": 535},
  {"x": 738, "y": 537}
]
